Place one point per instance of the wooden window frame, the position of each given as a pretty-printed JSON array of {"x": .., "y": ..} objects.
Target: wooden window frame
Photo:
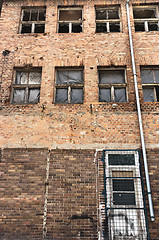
[
  {"x": 146, "y": 21},
  {"x": 69, "y": 86},
  {"x": 114, "y": 85},
  {"x": 32, "y": 23},
  {"x": 71, "y": 22},
  {"x": 109, "y": 21},
  {"x": 26, "y": 87}
]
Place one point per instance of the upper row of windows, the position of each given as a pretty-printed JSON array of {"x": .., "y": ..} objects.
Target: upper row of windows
[
  {"x": 69, "y": 86},
  {"x": 70, "y": 20}
]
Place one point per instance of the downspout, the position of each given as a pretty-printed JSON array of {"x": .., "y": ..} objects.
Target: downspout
[{"x": 139, "y": 117}]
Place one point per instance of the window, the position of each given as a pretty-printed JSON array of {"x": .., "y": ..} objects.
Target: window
[
  {"x": 70, "y": 20},
  {"x": 26, "y": 86},
  {"x": 33, "y": 20},
  {"x": 69, "y": 86},
  {"x": 108, "y": 20},
  {"x": 124, "y": 216},
  {"x": 112, "y": 86},
  {"x": 150, "y": 84},
  {"x": 146, "y": 18}
]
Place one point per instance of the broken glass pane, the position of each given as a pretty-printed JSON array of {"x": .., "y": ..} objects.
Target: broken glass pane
[
  {"x": 153, "y": 26},
  {"x": 114, "y": 76},
  {"x": 34, "y": 77},
  {"x": 124, "y": 198},
  {"x": 42, "y": 15},
  {"x": 26, "y": 28},
  {"x": 76, "y": 95},
  {"x": 104, "y": 95},
  {"x": 147, "y": 76},
  {"x": 26, "y": 15},
  {"x": 148, "y": 94},
  {"x": 139, "y": 27},
  {"x": 101, "y": 14},
  {"x": 114, "y": 27},
  {"x": 34, "y": 95},
  {"x": 39, "y": 28},
  {"x": 144, "y": 13},
  {"x": 101, "y": 27},
  {"x": 61, "y": 95},
  {"x": 76, "y": 27},
  {"x": 113, "y": 14},
  {"x": 63, "y": 28},
  {"x": 19, "y": 96},
  {"x": 120, "y": 95},
  {"x": 21, "y": 77},
  {"x": 34, "y": 15},
  {"x": 70, "y": 15}
]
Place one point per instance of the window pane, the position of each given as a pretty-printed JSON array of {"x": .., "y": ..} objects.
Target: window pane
[
  {"x": 114, "y": 27},
  {"x": 76, "y": 27},
  {"x": 39, "y": 28},
  {"x": 76, "y": 95},
  {"x": 153, "y": 26},
  {"x": 34, "y": 95},
  {"x": 26, "y": 28},
  {"x": 120, "y": 94},
  {"x": 21, "y": 77},
  {"x": 34, "y": 15},
  {"x": 123, "y": 185},
  {"x": 19, "y": 96},
  {"x": 101, "y": 27},
  {"x": 157, "y": 93},
  {"x": 124, "y": 198},
  {"x": 144, "y": 13},
  {"x": 75, "y": 77},
  {"x": 113, "y": 14},
  {"x": 148, "y": 94},
  {"x": 104, "y": 95},
  {"x": 62, "y": 77},
  {"x": 156, "y": 72},
  {"x": 42, "y": 15},
  {"x": 61, "y": 96},
  {"x": 139, "y": 27},
  {"x": 101, "y": 14},
  {"x": 26, "y": 15},
  {"x": 70, "y": 15},
  {"x": 63, "y": 28},
  {"x": 34, "y": 77},
  {"x": 121, "y": 159},
  {"x": 147, "y": 76},
  {"x": 114, "y": 76}
]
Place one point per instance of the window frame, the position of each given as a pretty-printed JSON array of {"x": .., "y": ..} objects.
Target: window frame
[
  {"x": 69, "y": 86},
  {"x": 114, "y": 85},
  {"x": 109, "y": 21},
  {"x": 146, "y": 21},
  {"x": 150, "y": 85},
  {"x": 32, "y": 23},
  {"x": 26, "y": 86},
  {"x": 70, "y": 22}
]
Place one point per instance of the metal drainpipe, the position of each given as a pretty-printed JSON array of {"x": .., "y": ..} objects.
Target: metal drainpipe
[{"x": 139, "y": 117}]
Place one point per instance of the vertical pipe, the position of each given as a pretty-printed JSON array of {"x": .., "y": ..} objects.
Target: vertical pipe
[{"x": 139, "y": 117}]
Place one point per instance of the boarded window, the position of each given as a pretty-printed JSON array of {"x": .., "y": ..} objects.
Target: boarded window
[
  {"x": 150, "y": 84},
  {"x": 69, "y": 86},
  {"x": 33, "y": 20},
  {"x": 108, "y": 20},
  {"x": 146, "y": 18},
  {"x": 70, "y": 20},
  {"x": 112, "y": 86},
  {"x": 26, "y": 86}
]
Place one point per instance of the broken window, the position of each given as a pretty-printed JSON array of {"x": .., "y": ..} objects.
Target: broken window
[
  {"x": 26, "y": 86},
  {"x": 123, "y": 213},
  {"x": 146, "y": 18},
  {"x": 108, "y": 20},
  {"x": 69, "y": 86},
  {"x": 112, "y": 86},
  {"x": 33, "y": 20},
  {"x": 150, "y": 84},
  {"x": 70, "y": 20}
]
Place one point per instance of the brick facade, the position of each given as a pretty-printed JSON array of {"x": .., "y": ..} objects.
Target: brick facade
[{"x": 68, "y": 133}]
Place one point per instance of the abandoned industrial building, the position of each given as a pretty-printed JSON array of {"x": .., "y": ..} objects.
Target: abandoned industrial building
[{"x": 79, "y": 119}]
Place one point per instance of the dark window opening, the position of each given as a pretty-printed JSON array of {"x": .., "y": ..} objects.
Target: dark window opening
[
  {"x": 144, "y": 13},
  {"x": 63, "y": 28},
  {"x": 26, "y": 28},
  {"x": 76, "y": 28},
  {"x": 153, "y": 26},
  {"x": 39, "y": 28},
  {"x": 140, "y": 27},
  {"x": 101, "y": 27},
  {"x": 114, "y": 27}
]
